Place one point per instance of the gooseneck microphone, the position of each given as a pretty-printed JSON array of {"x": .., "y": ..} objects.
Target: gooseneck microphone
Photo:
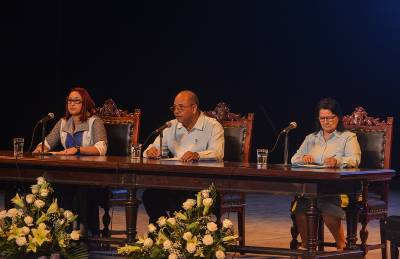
[
  {"x": 46, "y": 118},
  {"x": 157, "y": 131},
  {"x": 291, "y": 126},
  {"x": 160, "y": 129},
  {"x": 285, "y": 131},
  {"x": 42, "y": 121}
]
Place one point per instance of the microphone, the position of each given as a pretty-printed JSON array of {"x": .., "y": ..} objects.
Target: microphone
[
  {"x": 160, "y": 129},
  {"x": 291, "y": 126},
  {"x": 46, "y": 118}
]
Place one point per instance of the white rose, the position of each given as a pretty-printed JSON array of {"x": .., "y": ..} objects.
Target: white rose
[
  {"x": 44, "y": 192},
  {"x": 28, "y": 220},
  {"x": 148, "y": 242},
  {"x": 39, "y": 204},
  {"x": 167, "y": 244},
  {"x": 172, "y": 256},
  {"x": 68, "y": 214},
  {"x": 12, "y": 213},
  {"x": 40, "y": 180},
  {"x": 211, "y": 226},
  {"x": 75, "y": 235},
  {"x": 208, "y": 240},
  {"x": 188, "y": 204},
  {"x": 30, "y": 198},
  {"x": 3, "y": 214},
  {"x": 220, "y": 254},
  {"x": 171, "y": 221},
  {"x": 207, "y": 202},
  {"x": 227, "y": 223},
  {"x": 191, "y": 247},
  {"x": 151, "y": 228},
  {"x": 205, "y": 194},
  {"x": 162, "y": 221},
  {"x": 25, "y": 230},
  {"x": 21, "y": 241},
  {"x": 187, "y": 236}
]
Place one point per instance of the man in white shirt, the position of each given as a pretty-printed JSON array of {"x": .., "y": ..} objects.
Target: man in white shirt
[{"x": 191, "y": 137}]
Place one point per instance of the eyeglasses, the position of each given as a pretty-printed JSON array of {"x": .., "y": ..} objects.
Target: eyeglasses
[
  {"x": 74, "y": 101},
  {"x": 179, "y": 107},
  {"x": 327, "y": 118}
]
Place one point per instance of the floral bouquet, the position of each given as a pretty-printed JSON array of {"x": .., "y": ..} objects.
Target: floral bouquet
[
  {"x": 37, "y": 226},
  {"x": 191, "y": 233}
]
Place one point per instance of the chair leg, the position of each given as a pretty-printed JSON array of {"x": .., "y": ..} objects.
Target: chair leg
[
  {"x": 241, "y": 226},
  {"x": 106, "y": 217},
  {"x": 321, "y": 238},
  {"x": 364, "y": 234},
  {"x": 383, "y": 238}
]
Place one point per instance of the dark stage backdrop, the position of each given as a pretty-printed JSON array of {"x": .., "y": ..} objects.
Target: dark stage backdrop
[{"x": 273, "y": 58}]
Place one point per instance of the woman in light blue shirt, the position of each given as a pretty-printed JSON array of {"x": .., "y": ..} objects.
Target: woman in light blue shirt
[{"x": 332, "y": 146}]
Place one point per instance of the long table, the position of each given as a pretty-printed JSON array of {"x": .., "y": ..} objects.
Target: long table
[{"x": 131, "y": 174}]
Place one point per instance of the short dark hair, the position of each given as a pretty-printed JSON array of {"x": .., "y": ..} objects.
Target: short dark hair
[{"x": 332, "y": 105}]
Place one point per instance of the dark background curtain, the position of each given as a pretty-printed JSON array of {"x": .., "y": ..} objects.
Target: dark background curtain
[{"x": 273, "y": 58}]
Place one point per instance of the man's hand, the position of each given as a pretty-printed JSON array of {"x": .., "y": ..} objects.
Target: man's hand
[
  {"x": 153, "y": 153},
  {"x": 190, "y": 156},
  {"x": 330, "y": 162},
  {"x": 308, "y": 159},
  {"x": 67, "y": 152}
]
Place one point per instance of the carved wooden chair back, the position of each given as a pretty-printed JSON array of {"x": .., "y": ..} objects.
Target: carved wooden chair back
[
  {"x": 237, "y": 130},
  {"x": 122, "y": 128}
]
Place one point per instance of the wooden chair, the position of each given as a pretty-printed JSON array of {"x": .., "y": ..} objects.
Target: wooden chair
[
  {"x": 122, "y": 131},
  {"x": 238, "y": 133},
  {"x": 375, "y": 138}
]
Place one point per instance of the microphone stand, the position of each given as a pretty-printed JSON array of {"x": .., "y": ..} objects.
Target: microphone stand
[
  {"x": 286, "y": 150},
  {"x": 161, "y": 138},
  {"x": 43, "y": 137}
]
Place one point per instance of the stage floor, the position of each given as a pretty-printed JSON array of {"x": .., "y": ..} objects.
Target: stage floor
[{"x": 267, "y": 221}]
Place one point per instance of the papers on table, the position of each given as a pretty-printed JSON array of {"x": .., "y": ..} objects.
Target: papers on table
[{"x": 314, "y": 166}]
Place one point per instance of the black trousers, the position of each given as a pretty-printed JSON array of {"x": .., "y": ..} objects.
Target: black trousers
[
  {"x": 81, "y": 200},
  {"x": 160, "y": 202}
]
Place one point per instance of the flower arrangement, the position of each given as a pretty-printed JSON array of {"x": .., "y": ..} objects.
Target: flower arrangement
[
  {"x": 37, "y": 226},
  {"x": 191, "y": 233}
]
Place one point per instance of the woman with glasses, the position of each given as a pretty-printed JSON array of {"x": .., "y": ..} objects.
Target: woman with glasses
[
  {"x": 329, "y": 146},
  {"x": 80, "y": 132}
]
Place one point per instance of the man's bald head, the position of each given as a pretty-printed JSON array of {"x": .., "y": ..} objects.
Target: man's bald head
[{"x": 188, "y": 95}]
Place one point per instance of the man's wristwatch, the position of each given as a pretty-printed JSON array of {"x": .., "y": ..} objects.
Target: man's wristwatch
[{"x": 78, "y": 150}]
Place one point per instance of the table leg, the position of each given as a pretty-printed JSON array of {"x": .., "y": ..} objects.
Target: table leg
[
  {"x": 131, "y": 209},
  {"x": 312, "y": 226},
  {"x": 352, "y": 216}
]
